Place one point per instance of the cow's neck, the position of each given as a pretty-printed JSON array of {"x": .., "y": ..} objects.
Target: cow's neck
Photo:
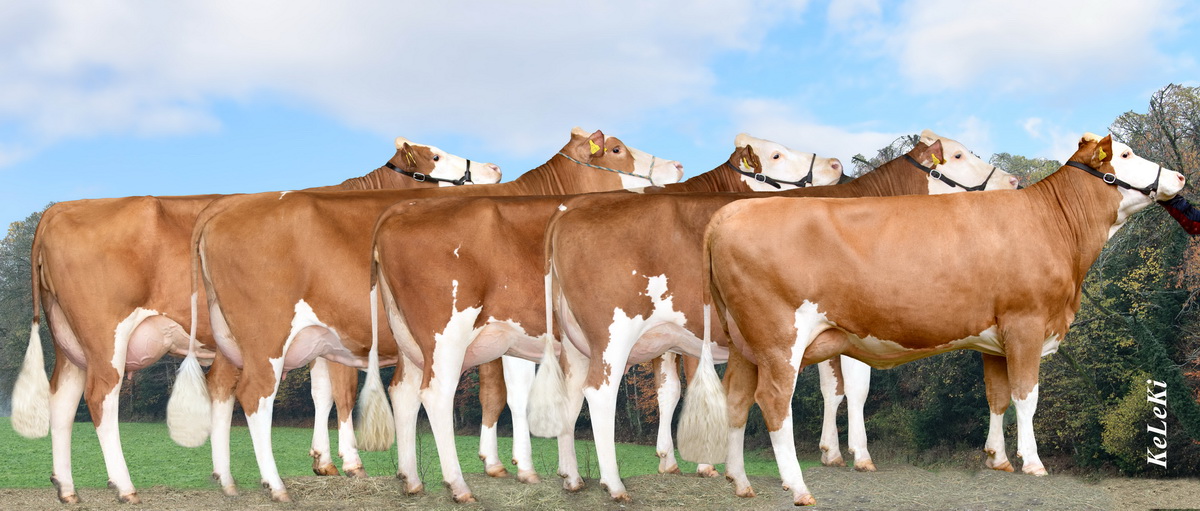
[
  {"x": 720, "y": 179},
  {"x": 1083, "y": 207},
  {"x": 381, "y": 178},
  {"x": 895, "y": 177},
  {"x": 558, "y": 176}
]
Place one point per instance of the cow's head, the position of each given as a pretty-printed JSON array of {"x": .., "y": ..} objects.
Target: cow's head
[
  {"x": 1140, "y": 181},
  {"x": 782, "y": 165},
  {"x": 637, "y": 169},
  {"x": 964, "y": 168},
  {"x": 427, "y": 160}
]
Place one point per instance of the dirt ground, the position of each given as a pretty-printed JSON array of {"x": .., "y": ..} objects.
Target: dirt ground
[{"x": 902, "y": 487}]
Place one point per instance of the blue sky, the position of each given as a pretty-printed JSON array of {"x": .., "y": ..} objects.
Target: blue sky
[{"x": 107, "y": 99}]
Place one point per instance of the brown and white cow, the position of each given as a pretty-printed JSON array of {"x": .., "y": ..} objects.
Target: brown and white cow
[
  {"x": 890, "y": 280},
  {"x": 485, "y": 299},
  {"x": 625, "y": 303},
  {"x": 112, "y": 274},
  {"x": 288, "y": 277}
]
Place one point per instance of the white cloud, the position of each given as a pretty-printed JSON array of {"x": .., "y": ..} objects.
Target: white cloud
[
  {"x": 507, "y": 74},
  {"x": 1033, "y": 127},
  {"x": 847, "y": 13},
  {"x": 1029, "y": 45},
  {"x": 780, "y": 123}
]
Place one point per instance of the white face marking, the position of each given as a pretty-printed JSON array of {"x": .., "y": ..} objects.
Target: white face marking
[
  {"x": 780, "y": 162},
  {"x": 663, "y": 171},
  {"x": 1139, "y": 172},
  {"x": 964, "y": 167},
  {"x": 449, "y": 166}
]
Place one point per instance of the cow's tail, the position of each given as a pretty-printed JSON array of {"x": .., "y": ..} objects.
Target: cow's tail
[
  {"x": 704, "y": 422},
  {"x": 548, "y": 397},
  {"x": 189, "y": 409},
  {"x": 376, "y": 426},
  {"x": 31, "y": 392}
]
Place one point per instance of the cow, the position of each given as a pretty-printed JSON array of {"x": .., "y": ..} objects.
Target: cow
[
  {"x": 625, "y": 303},
  {"x": 483, "y": 300},
  {"x": 120, "y": 265},
  {"x": 288, "y": 281},
  {"x": 894, "y": 279}
]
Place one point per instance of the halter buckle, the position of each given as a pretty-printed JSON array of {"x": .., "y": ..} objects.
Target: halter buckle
[
  {"x": 760, "y": 178},
  {"x": 1110, "y": 178},
  {"x": 935, "y": 174},
  {"x": 418, "y": 177}
]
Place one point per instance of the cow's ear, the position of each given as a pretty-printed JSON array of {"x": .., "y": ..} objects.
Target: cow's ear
[
  {"x": 1104, "y": 150},
  {"x": 929, "y": 137},
  {"x": 936, "y": 154},
  {"x": 408, "y": 156},
  {"x": 596, "y": 142},
  {"x": 751, "y": 159}
]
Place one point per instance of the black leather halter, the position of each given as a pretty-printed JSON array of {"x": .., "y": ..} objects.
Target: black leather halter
[
  {"x": 763, "y": 178},
  {"x": 934, "y": 173},
  {"x": 426, "y": 177},
  {"x": 1150, "y": 191}
]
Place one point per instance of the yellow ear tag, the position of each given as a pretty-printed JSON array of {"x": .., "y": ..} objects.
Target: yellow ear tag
[
  {"x": 936, "y": 161},
  {"x": 411, "y": 160},
  {"x": 1101, "y": 154},
  {"x": 593, "y": 146},
  {"x": 746, "y": 165}
]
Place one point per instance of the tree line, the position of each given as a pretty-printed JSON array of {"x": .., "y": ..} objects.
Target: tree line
[{"x": 1139, "y": 321}]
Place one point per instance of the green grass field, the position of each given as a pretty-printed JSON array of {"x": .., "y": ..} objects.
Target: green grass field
[{"x": 156, "y": 460}]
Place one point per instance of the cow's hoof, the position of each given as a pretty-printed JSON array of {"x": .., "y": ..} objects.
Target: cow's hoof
[
  {"x": 835, "y": 462},
  {"x": 572, "y": 486},
  {"x": 324, "y": 470},
  {"x": 1003, "y": 467},
  {"x": 528, "y": 476},
  {"x": 280, "y": 496},
  {"x": 131, "y": 498},
  {"x": 806, "y": 500},
  {"x": 229, "y": 491},
  {"x": 864, "y": 466},
  {"x": 622, "y": 497},
  {"x": 745, "y": 493},
  {"x": 413, "y": 488},
  {"x": 673, "y": 469},
  {"x": 465, "y": 498},
  {"x": 496, "y": 470},
  {"x": 357, "y": 472},
  {"x": 707, "y": 471},
  {"x": 1037, "y": 470},
  {"x": 69, "y": 498}
]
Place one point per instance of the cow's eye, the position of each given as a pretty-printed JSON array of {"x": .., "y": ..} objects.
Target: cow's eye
[
  {"x": 958, "y": 156},
  {"x": 616, "y": 150},
  {"x": 436, "y": 157},
  {"x": 1125, "y": 154},
  {"x": 775, "y": 156}
]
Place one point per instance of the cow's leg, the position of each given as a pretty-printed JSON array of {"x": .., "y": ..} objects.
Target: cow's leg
[
  {"x": 256, "y": 392},
  {"x": 442, "y": 374},
  {"x": 222, "y": 379},
  {"x": 103, "y": 395},
  {"x": 344, "y": 385},
  {"x": 690, "y": 364},
  {"x": 66, "y": 387},
  {"x": 832, "y": 390},
  {"x": 322, "y": 396},
  {"x": 575, "y": 369},
  {"x": 518, "y": 380},
  {"x": 1024, "y": 356},
  {"x": 607, "y": 368},
  {"x": 666, "y": 375},
  {"x": 776, "y": 384},
  {"x": 999, "y": 395},
  {"x": 741, "y": 380},
  {"x": 857, "y": 376},
  {"x": 492, "y": 400},
  {"x": 406, "y": 404}
]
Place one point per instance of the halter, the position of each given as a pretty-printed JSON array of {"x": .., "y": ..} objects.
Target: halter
[
  {"x": 934, "y": 173},
  {"x": 426, "y": 177},
  {"x": 647, "y": 178},
  {"x": 763, "y": 178},
  {"x": 1150, "y": 191}
]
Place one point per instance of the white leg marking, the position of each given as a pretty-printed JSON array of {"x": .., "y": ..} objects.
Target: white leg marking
[
  {"x": 222, "y": 418},
  {"x": 63, "y": 403},
  {"x": 858, "y": 383},
  {"x": 518, "y": 380},
  {"x": 994, "y": 447},
  {"x": 407, "y": 403},
  {"x": 348, "y": 447},
  {"x": 831, "y": 449},
  {"x": 322, "y": 396},
  {"x": 735, "y": 461},
  {"x": 489, "y": 448},
  {"x": 438, "y": 397},
  {"x": 668, "y": 399},
  {"x": 1026, "y": 443},
  {"x": 574, "y": 379},
  {"x": 784, "y": 446}
]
